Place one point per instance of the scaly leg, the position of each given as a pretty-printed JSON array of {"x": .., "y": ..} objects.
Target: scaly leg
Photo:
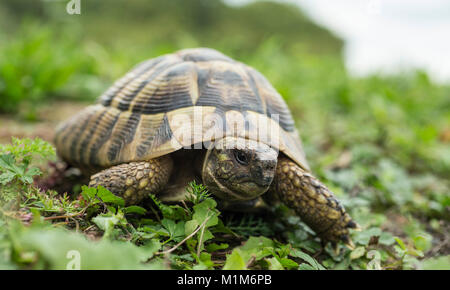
[
  {"x": 313, "y": 202},
  {"x": 135, "y": 180}
]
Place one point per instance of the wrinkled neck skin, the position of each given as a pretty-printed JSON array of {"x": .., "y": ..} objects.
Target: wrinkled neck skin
[{"x": 238, "y": 169}]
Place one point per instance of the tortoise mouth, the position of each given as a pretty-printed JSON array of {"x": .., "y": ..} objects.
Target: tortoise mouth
[
  {"x": 224, "y": 192},
  {"x": 245, "y": 189},
  {"x": 256, "y": 183}
]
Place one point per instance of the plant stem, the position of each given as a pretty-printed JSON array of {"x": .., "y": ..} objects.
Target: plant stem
[{"x": 185, "y": 239}]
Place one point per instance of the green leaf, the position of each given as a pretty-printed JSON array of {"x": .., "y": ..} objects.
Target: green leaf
[
  {"x": 288, "y": 263},
  {"x": 176, "y": 230},
  {"x": 386, "y": 238},
  {"x": 205, "y": 262},
  {"x": 134, "y": 209},
  {"x": 151, "y": 247},
  {"x": 174, "y": 212},
  {"x": 156, "y": 230},
  {"x": 422, "y": 242},
  {"x": 357, "y": 253},
  {"x": 257, "y": 243},
  {"x": 274, "y": 264},
  {"x": 438, "y": 263},
  {"x": 305, "y": 266},
  {"x": 33, "y": 171},
  {"x": 235, "y": 261},
  {"x": 60, "y": 249},
  {"x": 7, "y": 161},
  {"x": 190, "y": 227},
  {"x": 6, "y": 177},
  {"x": 307, "y": 258},
  {"x": 364, "y": 236},
  {"x": 26, "y": 179},
  {"x": 400, "y": 243},
  {"x": 106, "y": 222},
  {"x": 108, "y": 197},
  {"x": 204, "y": 210},
  {"x": 259, "y": 247},
  {"x": 215, "y": 247},
  {"x": 88, "y": 193},
  {"x": 207, "y": 235}
]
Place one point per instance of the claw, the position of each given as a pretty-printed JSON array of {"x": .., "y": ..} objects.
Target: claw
[
  {"x": 353, "y": 225},
  {"x": 350, "y": 245},
  {"x": 348, "y": 242},
  {"x": 336, "y": 248},
  {"x": 357, "y": 228}
]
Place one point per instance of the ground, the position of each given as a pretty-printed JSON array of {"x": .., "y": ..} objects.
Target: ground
[
  {"x": 380, "y": 142},
  {"x": 237, "y": 241}
]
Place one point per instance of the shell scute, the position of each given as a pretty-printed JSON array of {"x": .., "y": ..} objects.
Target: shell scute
[{"x": 177, "y": 100}]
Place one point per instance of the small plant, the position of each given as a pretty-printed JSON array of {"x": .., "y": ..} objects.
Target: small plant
[
  {"x": 193, "y": 234},
  {"x": 40, "y": 66},
  {"x": 15, "y": 159},
  {"x": 17, "y": 165}
]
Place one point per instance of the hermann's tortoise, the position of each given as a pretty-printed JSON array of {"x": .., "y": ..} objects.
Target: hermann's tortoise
[{"x": 197, "y": 114}]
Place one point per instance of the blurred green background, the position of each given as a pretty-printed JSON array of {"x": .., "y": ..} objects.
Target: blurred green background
[{"x": 381, "y": 142}]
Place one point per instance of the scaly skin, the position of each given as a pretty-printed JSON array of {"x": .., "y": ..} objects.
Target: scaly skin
[
  {"x": 135, "y": 180},
  {"x": 298, "y": 189},
  {"x": 313, "y": 202}
]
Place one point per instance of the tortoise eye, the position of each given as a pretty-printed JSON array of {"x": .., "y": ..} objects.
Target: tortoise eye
[{"x": 241, "y": 157}]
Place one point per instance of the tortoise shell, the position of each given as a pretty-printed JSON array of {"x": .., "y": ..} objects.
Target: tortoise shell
[{"x": 177, "y": 101}]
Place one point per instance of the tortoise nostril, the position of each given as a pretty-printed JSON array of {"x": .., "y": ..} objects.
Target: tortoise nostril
[
  {"x": 263, "y": 174},
  {"x": 270, "y": 166}
]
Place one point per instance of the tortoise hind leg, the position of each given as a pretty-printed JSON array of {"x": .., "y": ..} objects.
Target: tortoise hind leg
[
  {"x": 313, "y": 202},
  {"x": 135, "y": 180}
]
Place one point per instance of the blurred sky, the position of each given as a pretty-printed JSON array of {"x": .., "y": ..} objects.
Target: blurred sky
[{"x": 387, "y": 35}]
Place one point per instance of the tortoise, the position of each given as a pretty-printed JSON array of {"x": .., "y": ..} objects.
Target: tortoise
[{"x": 197, "y": 114}]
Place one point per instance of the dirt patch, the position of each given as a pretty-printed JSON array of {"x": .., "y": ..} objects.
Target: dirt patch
[{"x": 49, "y": 116}]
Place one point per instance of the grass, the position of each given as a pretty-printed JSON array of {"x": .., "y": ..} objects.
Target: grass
[
  {"x": 381, "y": 144},
  {"x": 41, "y": 228}
]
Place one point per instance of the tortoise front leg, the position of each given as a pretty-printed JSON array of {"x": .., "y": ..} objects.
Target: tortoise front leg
[
  {"x": 135, "y": 180},
  {"x": 313, "y": 202}
]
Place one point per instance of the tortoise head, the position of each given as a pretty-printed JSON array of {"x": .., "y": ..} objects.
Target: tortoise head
[{"x": 238, "y": 168}]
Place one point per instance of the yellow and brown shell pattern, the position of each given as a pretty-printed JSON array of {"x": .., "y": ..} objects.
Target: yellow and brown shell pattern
[{"x": 177, "y": 101}]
